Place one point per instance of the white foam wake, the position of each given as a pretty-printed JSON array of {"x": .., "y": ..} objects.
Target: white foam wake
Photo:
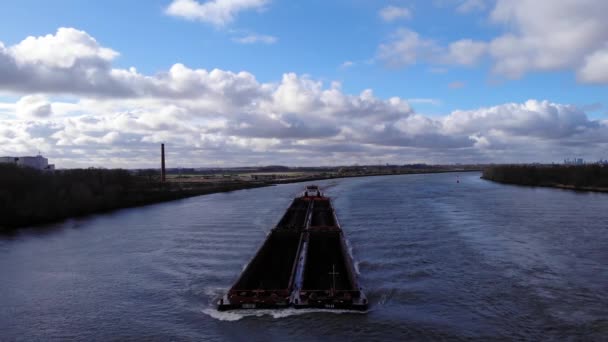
[{"x": 235, "y": 315}]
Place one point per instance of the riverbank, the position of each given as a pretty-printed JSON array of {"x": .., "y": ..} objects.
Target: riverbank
[
  {"x": 412, "y": 172},
  {"x": 592, "y": 178},
  {"x": 29, "y": 197}
]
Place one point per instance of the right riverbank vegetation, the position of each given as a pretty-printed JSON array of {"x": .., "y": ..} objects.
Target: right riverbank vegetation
[{"x": 581, "y": 177}]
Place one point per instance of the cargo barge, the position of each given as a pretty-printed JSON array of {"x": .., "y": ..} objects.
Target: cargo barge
[{"x": 303, "y": 263}]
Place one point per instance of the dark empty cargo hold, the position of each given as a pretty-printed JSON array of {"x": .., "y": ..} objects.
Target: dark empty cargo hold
[
  {"x": 295, "y": 216},
  {"x": 267, "y": 281},
  {"x": 322, "y": 214},
  {"x": 272, "y": 266},
  {"x": 326, "y": 266}
]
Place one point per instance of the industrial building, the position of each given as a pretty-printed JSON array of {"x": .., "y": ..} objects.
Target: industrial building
[{"x": 38, "y": 162}]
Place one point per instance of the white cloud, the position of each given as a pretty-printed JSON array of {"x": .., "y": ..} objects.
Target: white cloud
[
  {"x": 465, "y": 52},
  {"x": 595, "y": 68},
  {"x": 407, "y": 47},
  {"x": 548, "y": 35},
  {"x": 256, "y": 38},
  {"x": 69, "y": 60},
  {"x": 211, "y": 117},
  {"x": 328, "y": 126},
  {"x": 392, "y": 13},
  {"x": 61, "y": 50},
  {"x": 539, "y": 119},
  {"x": 215, "y": 12},
  {"x": 89, "y": 72},
  {"x": 33, "y": 106},
  {"x": 538, "y": 36}
]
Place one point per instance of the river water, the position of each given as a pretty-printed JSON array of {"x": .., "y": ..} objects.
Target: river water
[{"x": 439, "y": 259}]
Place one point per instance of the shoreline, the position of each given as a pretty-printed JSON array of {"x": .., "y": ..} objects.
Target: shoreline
[
  {"x": 312, "y": 179},
  {"x": 156, "y": 198},
  {"x": 554, "y": 186},
  {"x": 160, "y": 196}
]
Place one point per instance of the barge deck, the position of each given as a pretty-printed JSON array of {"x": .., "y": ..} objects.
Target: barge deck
[{"x": 303, "y": 263}]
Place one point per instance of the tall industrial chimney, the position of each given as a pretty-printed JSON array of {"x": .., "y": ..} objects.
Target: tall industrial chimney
[{"x": 162, "y": 162}]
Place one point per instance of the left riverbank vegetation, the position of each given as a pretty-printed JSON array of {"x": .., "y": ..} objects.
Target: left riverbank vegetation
[{"x": 29, "y": 196}]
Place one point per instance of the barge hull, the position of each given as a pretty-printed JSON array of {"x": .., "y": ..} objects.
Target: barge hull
[{"x": 303, "y": 263}]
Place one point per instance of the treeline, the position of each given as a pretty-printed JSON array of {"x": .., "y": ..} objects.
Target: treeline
[
  {"x": 29, "y": 196},
  {"x": 585, "y": 177}
]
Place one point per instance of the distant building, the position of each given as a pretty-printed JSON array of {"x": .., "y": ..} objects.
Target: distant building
[
  {"x": 575, "y": 161},
  {"x": 38, "y": 162}
]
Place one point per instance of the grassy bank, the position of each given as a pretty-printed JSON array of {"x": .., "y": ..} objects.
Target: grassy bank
[
  {"x": 582, "y": 178},
  {"x": 29, "y": 197}
]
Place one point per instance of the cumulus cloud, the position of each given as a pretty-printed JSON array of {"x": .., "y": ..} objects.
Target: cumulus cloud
[
  {"x": 540, "y": 119},
  {"x": 84, "y": 68},
  {"x": 61, "y": 51},
  {"x": 215, "y": 12},
  {"x": 222, "y": 117},
  {"x": 33, "y": 106},
  {"x": 595, "y": 68},
  {"x": 538, "y": 36},
  {"x": 335, "y": 128},
  {"x": 564, "y": 34},
  {"x": 392, "y": 13},
  {"x": 70, "y": 60}
]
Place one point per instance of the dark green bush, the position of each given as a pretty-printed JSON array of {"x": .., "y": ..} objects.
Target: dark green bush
[
  {"x": 583, "y": 176},
  {"x": 29, "y": 196}
]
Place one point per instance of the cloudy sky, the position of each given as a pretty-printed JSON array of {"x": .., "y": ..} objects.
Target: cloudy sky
[{"x": 257, "y": 82}]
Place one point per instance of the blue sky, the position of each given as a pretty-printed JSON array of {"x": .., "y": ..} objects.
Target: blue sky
[
  {"x": 406, "y": 56},
  {"x": 314, "y": 38}
]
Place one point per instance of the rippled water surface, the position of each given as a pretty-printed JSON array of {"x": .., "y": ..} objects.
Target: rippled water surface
[{"x": 438, "y": 260}]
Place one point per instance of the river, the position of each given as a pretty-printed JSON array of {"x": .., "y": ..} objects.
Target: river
[{"x": 440, "y": 256}]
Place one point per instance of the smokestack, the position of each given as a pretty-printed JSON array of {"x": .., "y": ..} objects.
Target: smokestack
[{"x": 162, "y": 162}]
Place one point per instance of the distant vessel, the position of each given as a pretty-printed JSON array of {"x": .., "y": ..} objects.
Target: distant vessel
[{"x": 303, "y": 263}]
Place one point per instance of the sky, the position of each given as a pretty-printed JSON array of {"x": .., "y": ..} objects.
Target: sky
[{"x": 299, "y": 83}]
